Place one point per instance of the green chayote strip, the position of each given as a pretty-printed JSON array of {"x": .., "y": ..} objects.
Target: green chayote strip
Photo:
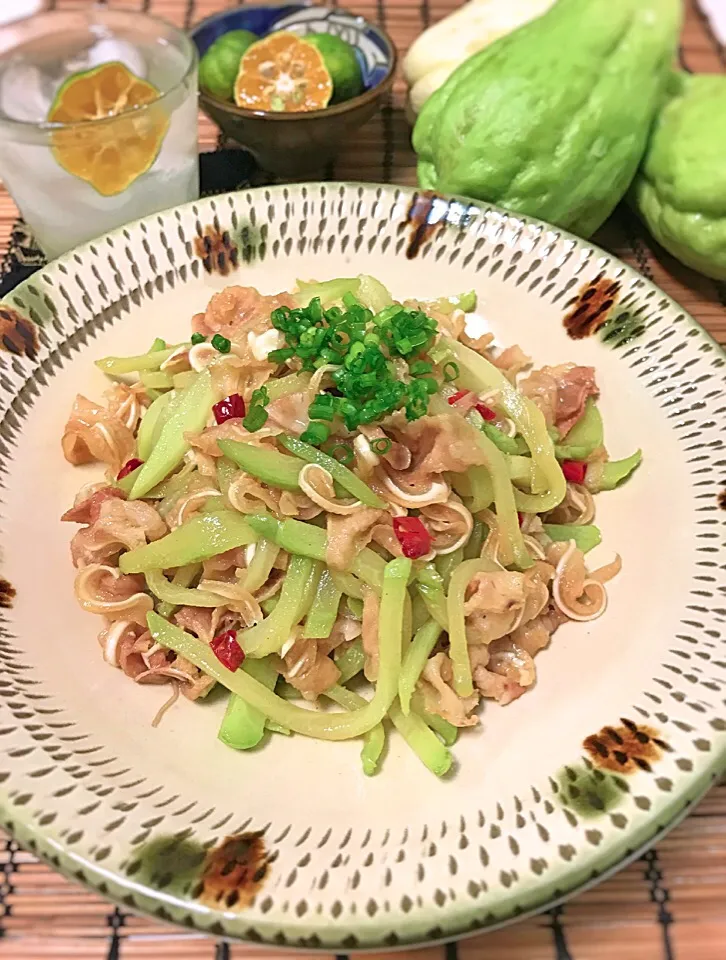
[
  {"x": 243, "y": 726},
  {"x": 187, "y": 412},
  {"x": 119, "y": 366},
  {"x": 607, "y": 476},
  {"x": 585, "y": 437},
  {"x": 198, "y": 539},
  {"x": 307, "y": 540},
  {"x": 272, "y": 633},
  {"x": 260, "y": 567},
  {"x": 424, "y": 743},
  {"x": 333, "y": 726},
  {"x": 374, "y": 741},
  {"x": 324, "y": 609},
  {"x": 350, "y": 662},
  {"x": 586, "y": 536},
  {"x": 418, "y": 652},
  {"x": 270, "y": 466},
  {"x": 345, "y": 477},
  {"x": 476, "y": 373}
]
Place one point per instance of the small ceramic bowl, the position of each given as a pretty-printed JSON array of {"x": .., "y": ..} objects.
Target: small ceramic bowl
[{"x": 291, "y": 144}]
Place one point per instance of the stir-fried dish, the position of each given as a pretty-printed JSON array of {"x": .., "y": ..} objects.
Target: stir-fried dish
[{"x": 332, "y": 497}]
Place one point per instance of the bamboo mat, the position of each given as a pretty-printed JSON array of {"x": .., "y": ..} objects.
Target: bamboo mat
[{"x": 668, "y": 905}]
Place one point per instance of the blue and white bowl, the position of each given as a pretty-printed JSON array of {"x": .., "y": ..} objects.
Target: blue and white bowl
[{"x": 288, "y": 144}]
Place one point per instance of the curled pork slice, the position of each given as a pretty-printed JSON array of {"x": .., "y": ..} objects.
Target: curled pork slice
[
  {"x": 560, "y": 393},
  {"x": 237, "y": 311},
  {"x": 290, "y": 412},
  {"x": 120, "y": 525},
  {"x": 348, "y": 534},
  {"x": 232, "y": 429},
  {"x": 440, "y": 697},
  {"x": 439, "y": 444},
  {"x": 104, "y": 590},
  {"x": 87, "y": 505},
  {"x": 512, "y": 361},
  {"x": 92, "y": 433},
  {"x": 307, "y": 666}
]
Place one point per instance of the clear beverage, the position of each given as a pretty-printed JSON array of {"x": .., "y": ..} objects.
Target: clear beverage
[{"x": 67, "y": 205}]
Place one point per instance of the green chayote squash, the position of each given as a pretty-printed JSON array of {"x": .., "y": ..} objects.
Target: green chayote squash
[
  {"x": 680, "y": 190},
  {"x": 553, "y": 119}
]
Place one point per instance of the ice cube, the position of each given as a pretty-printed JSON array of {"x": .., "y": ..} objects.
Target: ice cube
[
  {"x": 26, "y": 93},
  {"x": 107, "y": 50}
]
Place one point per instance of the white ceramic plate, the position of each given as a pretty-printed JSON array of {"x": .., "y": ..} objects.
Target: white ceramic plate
[{"x": 626, "y": 726}]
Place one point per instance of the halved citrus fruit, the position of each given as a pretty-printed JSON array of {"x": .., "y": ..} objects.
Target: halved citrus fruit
[
  {"x": 282, "y": 73},
  {"x": 109, "y": 156}
]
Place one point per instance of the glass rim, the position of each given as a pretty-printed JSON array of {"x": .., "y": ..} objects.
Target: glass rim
[{"x": 187, "y": 46}]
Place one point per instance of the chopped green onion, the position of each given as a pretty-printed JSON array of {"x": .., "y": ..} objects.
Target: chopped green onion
[
  {"x": 381, "y": 446},
  {"x": 281, "y": 356},
  {"x": 198, "y": 338},
  {"x": 322, "y": 407},
  {"x": 420, "y": 368},
  {"x": 315, "y": 434},
  {"x": 451, "y": 371},
  {"x": 255, "y": 419},
  {"x": 257, "y": 415},
  {"x": 220, "y": 343},
  {"x": 342, "y": 452}
]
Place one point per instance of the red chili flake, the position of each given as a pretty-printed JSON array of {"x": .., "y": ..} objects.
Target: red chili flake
[
  {"x": 413, "y": 536},
  {"x": 459, "y": 395},
  {"x": 574, "y": 470},
  {"x": 230, "y": 408},
  {"x": 520, "y": 518},
  {"x": 226, "y": 649},
  {"x": 486, "y": 412},
  {"x": 129, "y": 467}
]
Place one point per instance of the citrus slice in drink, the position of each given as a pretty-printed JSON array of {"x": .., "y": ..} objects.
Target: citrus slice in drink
[
  {"x": 282, "y": 73},
  {"x": 112, "y": 154}
]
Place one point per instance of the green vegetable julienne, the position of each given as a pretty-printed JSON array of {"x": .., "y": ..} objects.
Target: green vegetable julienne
[
  {"x": 324, "y": 609},
  {"x": 243, "y": 726},
  {"x": 374, "y": 741},
  {"x": 586, "y": 536},
  {"x": 424, "y": 743},
  {"x": 187, "y": 413},
  {"x": 198, "y": 539},
  {"x": 268, "y": 465},
  {"x": 585, "y": 437},
  {"x": 607, "y": 476},
  {"x": 480, "y": 375},
  {"x": 415, "y": 660},
  {"x": 329, "y": 726},
  {"x": 346, "y": 478},
  {"x": 272, "y": 633}
]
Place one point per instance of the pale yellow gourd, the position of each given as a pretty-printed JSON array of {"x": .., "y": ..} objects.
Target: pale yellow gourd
[{"x": 439, "y": 50}]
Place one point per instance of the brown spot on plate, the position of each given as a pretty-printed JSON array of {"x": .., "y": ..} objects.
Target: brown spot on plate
[
  {"x": 423, "y": 226},
  {"x": 233, "y": 872},
  {"x": 18, "y": 334},
  {"x": 216, "y": 251},
  {"x": 592, "y": 307},
  {"x": 7, "y": 593},
  {"x": 626, "y": 748},
  {"x": 722, "y": 499}
]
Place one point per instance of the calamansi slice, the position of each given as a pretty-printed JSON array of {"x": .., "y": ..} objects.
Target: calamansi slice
[
  {"x": 283, "y": 73},
  {"x": 109, "y": 156}
]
